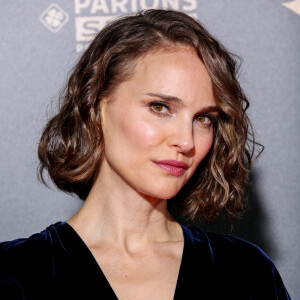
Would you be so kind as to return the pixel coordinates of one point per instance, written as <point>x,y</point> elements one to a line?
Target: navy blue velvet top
<point>57,264</point>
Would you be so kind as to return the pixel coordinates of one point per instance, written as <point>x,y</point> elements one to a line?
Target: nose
<point>182,137</point>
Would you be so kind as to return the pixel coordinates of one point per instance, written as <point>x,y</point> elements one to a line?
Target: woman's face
<point>157,126</point>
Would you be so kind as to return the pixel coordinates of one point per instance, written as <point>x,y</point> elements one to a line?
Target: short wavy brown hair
<point>71,145</point>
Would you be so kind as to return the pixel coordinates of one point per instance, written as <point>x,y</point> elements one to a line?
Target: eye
<point>159,107</point>
<point>205,121</point>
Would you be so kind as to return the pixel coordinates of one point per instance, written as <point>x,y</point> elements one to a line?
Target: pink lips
<point>172,167</point>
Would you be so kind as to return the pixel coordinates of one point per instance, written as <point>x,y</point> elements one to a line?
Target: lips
<point>172,167</point>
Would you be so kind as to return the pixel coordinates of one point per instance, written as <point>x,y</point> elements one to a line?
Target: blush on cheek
<point>142,134</point>
<point>203,148</point>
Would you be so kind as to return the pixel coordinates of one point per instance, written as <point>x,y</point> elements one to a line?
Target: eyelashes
<point>162,109</point>
<point>159,107</point>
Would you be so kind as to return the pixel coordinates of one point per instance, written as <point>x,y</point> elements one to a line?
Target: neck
<point>117,214</point>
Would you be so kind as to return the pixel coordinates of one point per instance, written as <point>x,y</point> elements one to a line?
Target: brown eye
<point>158,107</point>
<point>203,119</point>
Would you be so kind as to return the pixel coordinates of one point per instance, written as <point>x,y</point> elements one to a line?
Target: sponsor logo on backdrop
<point>54,18</point>
<point>293,5</point>
<point>92,15</point>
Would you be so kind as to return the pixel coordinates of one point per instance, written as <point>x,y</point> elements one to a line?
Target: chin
<point>163,193</point>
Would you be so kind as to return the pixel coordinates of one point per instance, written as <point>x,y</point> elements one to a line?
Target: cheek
<point>140,134</point>
<point>203,145</point>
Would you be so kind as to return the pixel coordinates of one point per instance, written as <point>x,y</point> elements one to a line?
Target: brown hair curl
<point>71,145</point>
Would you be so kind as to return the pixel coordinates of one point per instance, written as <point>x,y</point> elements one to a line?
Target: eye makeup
<point>209,119</point>
<point>163,110</point>
<point>158,107</point>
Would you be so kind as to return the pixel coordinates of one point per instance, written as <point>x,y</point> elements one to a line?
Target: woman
<point>152,127</point>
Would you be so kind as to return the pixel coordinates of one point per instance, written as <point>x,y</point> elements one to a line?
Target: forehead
<point>179,72</point>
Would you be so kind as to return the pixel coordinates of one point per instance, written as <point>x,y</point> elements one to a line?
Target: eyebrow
<point>180,102</point>
<point>167,98</point>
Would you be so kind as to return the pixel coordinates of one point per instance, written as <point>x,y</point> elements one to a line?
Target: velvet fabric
<point>57,264</point>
